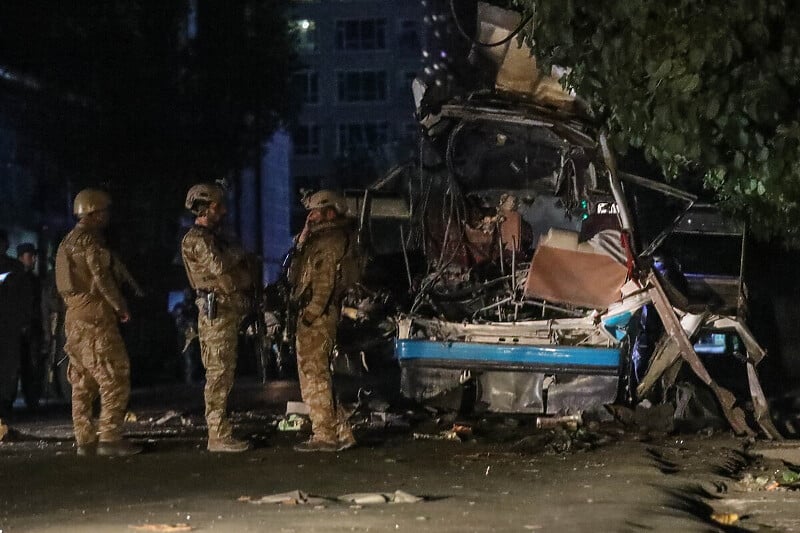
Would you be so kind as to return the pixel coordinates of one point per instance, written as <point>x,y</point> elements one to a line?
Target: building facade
<point>359,58</point>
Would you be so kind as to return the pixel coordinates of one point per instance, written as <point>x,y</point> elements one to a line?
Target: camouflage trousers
<point>218,342</point>
<point>329,421</point>
<point>98,366</point>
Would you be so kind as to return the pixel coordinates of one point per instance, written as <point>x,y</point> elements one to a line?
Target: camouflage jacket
<point>314,270</point>
<point>212,264</point>
<point>85,277</point>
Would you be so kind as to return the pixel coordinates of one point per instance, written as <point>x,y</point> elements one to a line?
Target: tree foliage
<point>705,87</point>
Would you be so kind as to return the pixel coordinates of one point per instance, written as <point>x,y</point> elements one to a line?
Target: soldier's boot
<point>317,445</point>
<point>227,444</point>
<point>87,450</point>
<point>118,448</point>
<point>347,442</point>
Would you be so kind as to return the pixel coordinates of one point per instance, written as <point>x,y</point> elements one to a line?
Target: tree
<point>703,87</point>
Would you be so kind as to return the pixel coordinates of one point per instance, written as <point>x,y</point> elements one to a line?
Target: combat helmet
<point>201,195</point>
<point>90,200</point>
<point>326,198</point>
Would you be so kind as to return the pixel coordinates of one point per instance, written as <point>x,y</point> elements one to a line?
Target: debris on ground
<point>646,418</point>
<point>130,416</point>
<point>725,519</point>
<point>294,497</point>
<point>293,422</point>
<point>457,433</point>
<point>169,415</point>
<point>297,408</point>
<point>162,528</point>
<point>4,430</point>
<point>371,498</point>
<point>382,420</point>
<point>298,497</point>
<point>560,440</point>
<point>569,422</point>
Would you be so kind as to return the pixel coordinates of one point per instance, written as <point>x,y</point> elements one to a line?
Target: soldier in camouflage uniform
<point>98,361</point>
<point>220,275</point>
<point>317,294</point>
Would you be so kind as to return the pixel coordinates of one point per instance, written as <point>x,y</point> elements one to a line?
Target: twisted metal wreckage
<point>535,267</point>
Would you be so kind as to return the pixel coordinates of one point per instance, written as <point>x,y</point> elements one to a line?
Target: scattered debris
<point>725,519</point>
<point>450,434</point>
<point>130,416</point>
<point>162,528</point>
<point>569,422</point>
<point>169,415</point>
<point>646,417</point>
<point>358,499</point>
<point>371,498</point>
<point>292,422</point>
<point>294,497</point>
<point>297,408</point>
<point>4,430</point>
<point>383,420</point>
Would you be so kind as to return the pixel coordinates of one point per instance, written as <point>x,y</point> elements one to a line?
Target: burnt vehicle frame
<point>565,357</point>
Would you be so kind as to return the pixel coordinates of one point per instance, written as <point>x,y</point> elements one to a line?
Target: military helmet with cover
<point>326,198</point>
<point>202,195</point>
<point>90,200</point>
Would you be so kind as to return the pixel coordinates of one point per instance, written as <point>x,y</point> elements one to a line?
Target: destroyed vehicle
<point>543,260</point>
<point>537,279</point>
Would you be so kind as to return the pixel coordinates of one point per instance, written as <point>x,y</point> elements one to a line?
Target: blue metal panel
<point>551,356</point>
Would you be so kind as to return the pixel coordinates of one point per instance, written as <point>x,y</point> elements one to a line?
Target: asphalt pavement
<point>496,475</point>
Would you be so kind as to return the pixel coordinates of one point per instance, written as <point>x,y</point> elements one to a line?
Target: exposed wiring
<point>480,43</point>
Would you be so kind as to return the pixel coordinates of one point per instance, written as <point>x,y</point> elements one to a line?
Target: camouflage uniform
<point>214,266</point>
<point>314,277</point>
<point>98,361</point>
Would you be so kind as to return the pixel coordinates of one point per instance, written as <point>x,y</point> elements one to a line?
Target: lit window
<point>306,85</point>
<point>357,136</point>
<point>306,140</point>
<point>408,35</point>
<point>361,86</point>
<point>305,35</point>
<point>361,34</point>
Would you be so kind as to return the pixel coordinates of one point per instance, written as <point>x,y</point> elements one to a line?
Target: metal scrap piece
<point>734,415</point>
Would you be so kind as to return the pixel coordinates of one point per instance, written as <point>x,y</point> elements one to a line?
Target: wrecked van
<point>551,281</point>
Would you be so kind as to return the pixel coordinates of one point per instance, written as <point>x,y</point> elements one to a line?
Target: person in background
<point>16,303</point>
<point>32,361</point>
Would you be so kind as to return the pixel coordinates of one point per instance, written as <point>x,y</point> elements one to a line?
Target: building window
<point>361,34</point>
<point>305,35</point>
<point>408,35</point>
<point>361,86</point>
<point>356,136</point>
<point>306,140</point>
<point>306,85</point>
